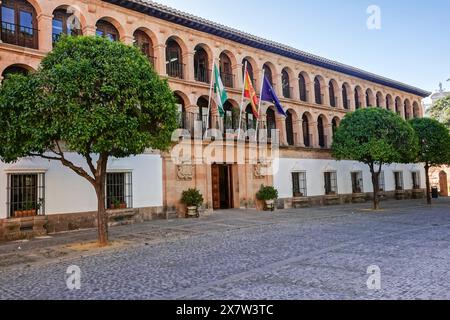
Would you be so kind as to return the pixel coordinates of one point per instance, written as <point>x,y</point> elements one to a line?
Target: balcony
<point>228,79</point>
<point>175,70</point>
<point>19,35</point>
<point>202,75</point>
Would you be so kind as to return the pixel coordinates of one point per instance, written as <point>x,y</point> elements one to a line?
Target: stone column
<point>127,39</point>
<point>89,30</point>
<point>160,54</point>
<point>45,32</point>
<point>237,73</point>
<point>188,68</point>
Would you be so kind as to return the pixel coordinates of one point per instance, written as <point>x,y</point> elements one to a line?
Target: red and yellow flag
<point>250,94</point>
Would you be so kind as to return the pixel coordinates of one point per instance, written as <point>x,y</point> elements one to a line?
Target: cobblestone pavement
<point>314,253</point>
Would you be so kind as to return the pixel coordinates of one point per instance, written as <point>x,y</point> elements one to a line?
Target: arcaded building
<point>315,92</point>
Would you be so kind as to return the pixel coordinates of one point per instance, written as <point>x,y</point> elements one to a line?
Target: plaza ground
<point>313,253</point>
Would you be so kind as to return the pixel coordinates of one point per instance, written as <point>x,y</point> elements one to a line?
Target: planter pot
<point>192,211</point>
<point>270,205</point>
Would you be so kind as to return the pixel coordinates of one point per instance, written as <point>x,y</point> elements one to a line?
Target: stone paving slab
<point>313,253</point>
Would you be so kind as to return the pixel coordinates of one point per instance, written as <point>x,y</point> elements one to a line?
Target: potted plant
<point>28,210</point>
<point>193,199</point>
<point>268,194</point>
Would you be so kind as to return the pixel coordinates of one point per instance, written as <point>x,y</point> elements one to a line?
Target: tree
<point>440,111</point>
<point>434,146</point>
<point>90,96</point>
<point>375,137</point>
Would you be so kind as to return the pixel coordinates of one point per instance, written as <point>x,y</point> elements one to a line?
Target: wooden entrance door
<point>222,190</point>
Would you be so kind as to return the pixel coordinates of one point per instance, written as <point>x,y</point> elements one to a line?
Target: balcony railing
<point>202,75</point>
<point>175,70</point>
<point>19,35</point>
<point>228,79</point>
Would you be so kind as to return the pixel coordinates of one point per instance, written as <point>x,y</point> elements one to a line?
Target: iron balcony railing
<point>175,70</point>
<point>202,75</point>
<point>228,79</point>
<point>19,35</point>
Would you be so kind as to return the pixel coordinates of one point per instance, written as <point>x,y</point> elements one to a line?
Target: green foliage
<point>434,141</point>
<point>95,95</point>
<point>192,198</point>
<point>374,136</point>
<point>267,193</point>
<point>441,111</point>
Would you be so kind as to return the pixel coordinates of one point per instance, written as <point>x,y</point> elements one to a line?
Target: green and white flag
<point>219,89</point>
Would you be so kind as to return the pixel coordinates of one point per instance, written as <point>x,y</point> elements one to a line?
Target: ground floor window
<point>381,183</point>
<point>299,184</point>
<point>119,190</point>
<point>398,179</point>
<point>330,182</point>
<point>415,175</point>
<point>26,194</point>
<point>357,182</point>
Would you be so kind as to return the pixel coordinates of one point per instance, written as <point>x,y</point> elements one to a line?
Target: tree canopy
<point>440,111</point>
<point>95,95</point>
<point>90,96</point>
<point>374,135</point>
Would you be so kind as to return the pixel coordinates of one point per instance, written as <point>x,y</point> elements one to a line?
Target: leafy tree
<point>440,111</point>
<point>434,146</point>
<point>375,137</point>
<point>93,97</point>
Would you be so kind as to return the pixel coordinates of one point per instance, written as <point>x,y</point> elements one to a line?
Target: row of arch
<point>295,130</point>
<point>303,87</point>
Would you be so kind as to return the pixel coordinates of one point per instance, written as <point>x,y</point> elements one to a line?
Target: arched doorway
<point>305,128</point>
<point>443,183</point>
<point>107,29</point>
<point>270,120</point>
<point>290,128</point>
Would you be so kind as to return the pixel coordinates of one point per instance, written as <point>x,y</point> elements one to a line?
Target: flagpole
<point>260,102</point>
<point>209,99</point>
<point>242,100</point>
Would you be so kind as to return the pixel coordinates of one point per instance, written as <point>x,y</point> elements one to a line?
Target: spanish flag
<point>250,94</point>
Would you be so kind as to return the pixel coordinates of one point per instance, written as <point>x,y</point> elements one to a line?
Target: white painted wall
<point>66,192</point>
<point>314,175</point>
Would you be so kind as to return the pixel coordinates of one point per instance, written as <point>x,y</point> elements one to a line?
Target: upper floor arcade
<point>186,55</point>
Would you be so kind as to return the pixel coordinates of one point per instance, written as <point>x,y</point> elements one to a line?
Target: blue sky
<point>412,45</point>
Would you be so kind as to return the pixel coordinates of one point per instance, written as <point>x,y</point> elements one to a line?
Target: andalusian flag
<point>250,94</point>
<point>221,93</point>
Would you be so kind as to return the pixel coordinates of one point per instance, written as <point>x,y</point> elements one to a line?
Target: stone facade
<point>315,105</point>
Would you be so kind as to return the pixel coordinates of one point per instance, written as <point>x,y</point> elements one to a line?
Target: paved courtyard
<point>314,253</point>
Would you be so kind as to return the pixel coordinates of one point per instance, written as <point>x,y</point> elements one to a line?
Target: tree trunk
<point>102,218</point>
<point>427,179</point>
<point>100,186</point>
<point>376,190</point>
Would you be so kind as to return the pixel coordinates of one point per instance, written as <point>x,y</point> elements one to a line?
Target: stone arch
<point>251,68</point>
<point>319,89</point>
<point>227,62</point>
<point>286,82</point>
<point>304,84</point>
<point>114,23</point>
<point>359,97</point>
<point>346,96</point>
<point>416,110</point>
<point>322,124</point>
<point>71,18</point>
<point>307,132</point>
<point>333,93</point>
<point>202,62</point>
<point>408,112</point>
<point>398,106</point>
<point>270,72</point>
<point>175,51</point>
<point>389,102</point>
<point>16,68</point>
<point>370,98</point>
<point>379,100</point>
<point>291,122</point>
